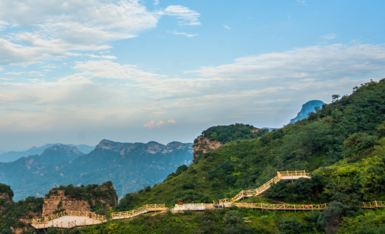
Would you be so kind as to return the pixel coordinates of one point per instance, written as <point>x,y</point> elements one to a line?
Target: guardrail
<point>264,206</point>
<point>138,211</point>
<point>373,205</point>
<point>281,175</point>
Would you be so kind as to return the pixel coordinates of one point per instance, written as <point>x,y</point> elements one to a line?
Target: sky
<point>137,71</point>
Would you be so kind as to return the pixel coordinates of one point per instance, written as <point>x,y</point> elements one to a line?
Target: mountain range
<point>130,166</point>
<point>14,155</point>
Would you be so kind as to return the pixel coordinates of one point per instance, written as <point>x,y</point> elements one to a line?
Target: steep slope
<point>306,109</point>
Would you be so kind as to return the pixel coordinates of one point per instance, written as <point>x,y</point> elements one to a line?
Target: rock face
<point>59,201</point>
<point>204,145</point>
<point>306,109</point>
<point>4,196</point>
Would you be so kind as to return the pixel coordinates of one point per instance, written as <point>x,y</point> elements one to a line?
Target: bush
<point>290,226</point>
<point>188,185</point>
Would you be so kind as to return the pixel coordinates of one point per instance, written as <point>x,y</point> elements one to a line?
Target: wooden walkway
<point>141,210</point>
<point>70,219</point>
<point>283,175</point>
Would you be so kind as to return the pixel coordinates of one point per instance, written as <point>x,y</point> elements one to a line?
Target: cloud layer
<point>244,87</point>
<point>62,27</point>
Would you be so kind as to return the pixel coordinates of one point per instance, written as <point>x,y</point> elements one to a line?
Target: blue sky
<point>135,71</point>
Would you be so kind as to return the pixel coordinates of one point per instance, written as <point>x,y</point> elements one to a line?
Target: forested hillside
<point>343,145</point>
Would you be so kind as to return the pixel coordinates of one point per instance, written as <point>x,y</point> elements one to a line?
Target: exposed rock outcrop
<point>58,201</point>
<point>204,145</point>
<point>4,196</point>
<point>86,198</point>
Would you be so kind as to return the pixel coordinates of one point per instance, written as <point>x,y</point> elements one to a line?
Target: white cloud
<point>329,36</point>
<point>187,16</point>
<point>156,2</point>
<point>317,62</point>
<point>31,73</point>
<point>35,73</point>
<point>15,73</point>
<point>1,78</point>
<point>150,124</point>
<point>108,69</point>
<point>102,56</point>
<point>171,121</point>
<point>184,34</point>
<point>226,27</point>
<point>63,26</point>
<point>3,25</point>
<point>50,66</point>
<point>160,123</point>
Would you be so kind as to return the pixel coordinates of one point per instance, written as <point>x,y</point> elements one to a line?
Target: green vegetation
<point>6,189</point>
<point>233,132</point>
<point>11,212</point>
<point>342,144</point>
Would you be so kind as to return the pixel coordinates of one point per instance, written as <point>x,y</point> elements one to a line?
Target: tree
<point>335,97</point>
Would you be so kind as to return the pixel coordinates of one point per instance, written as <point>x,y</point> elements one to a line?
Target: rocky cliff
<point>203,145</point>
<point>58,201</point>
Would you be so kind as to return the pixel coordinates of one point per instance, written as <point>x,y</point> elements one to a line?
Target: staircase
<point>281,175</point>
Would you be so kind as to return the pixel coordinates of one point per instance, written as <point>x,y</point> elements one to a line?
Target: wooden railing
<point>373,205</point>
<point>138,211</point>
<point>293,173</point>
<point>281,175</point>
<point>264,206</point>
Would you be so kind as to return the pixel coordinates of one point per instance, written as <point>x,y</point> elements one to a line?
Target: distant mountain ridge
<point>306,109</point>
<point>11,156</point>
<point>128,165</point>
